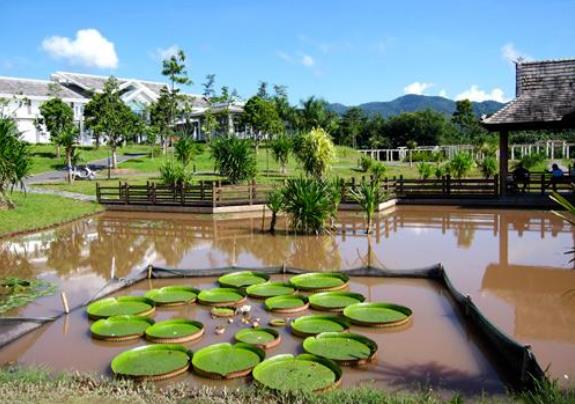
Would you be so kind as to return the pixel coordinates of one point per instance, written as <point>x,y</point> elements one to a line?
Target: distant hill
<point>412,103</point>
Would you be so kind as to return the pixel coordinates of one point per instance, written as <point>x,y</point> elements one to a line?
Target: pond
<point>512,263</point>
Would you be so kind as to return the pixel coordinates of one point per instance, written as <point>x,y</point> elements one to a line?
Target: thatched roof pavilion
<point>545,99</point>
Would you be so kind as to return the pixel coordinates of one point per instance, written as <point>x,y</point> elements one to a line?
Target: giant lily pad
<point>320,281</point>
<point>120,306</point>
<point>264,338</point>
<point>175,331</point>
<point>172,295</point>
<point>377,314</point>
<point>242,279</point>
<point>227,361</point>
<point>334,301</point>
<point>269,289</point>
<point>222,297</point>
<point>120,328</point>
<point>304,372</point>
<point>316,324</point>
<point>223,311</point>
<point>286,303</point>
<point>343,347</point>
<point>152,362</point>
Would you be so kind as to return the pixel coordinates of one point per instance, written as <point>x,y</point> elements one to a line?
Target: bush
<point>234,158</point>
<point>275,201</point>
<point>488,166</point>
<point>316,152</point>
<point>426,155</point>
<point>281,147</point>
<point>368,196</point>
<point>365,163</point>
<point>185,150</point>
<point>311,203</point>
<point>378,170</point>
<point>529,161</point>
<point>174,173</point>
<point>15,160</point>
<point>460,164</point>
<point>424,170</point>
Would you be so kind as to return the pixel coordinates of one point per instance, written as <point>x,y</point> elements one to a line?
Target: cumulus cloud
<point>474,93</point>
<point>166,53</point>
<point>443,93</point>
<point>510,53</point>
<point>417,88</point>
<point>89,48</point>
<point>307,61</point>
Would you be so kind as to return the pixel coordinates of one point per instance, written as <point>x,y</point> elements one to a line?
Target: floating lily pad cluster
<point>327,343</point>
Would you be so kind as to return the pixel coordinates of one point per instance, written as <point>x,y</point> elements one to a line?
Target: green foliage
<point>440,170</point>
<point>460,164</point>
<point>275,201</point>
<point>314,114</point>
<point>174,68</point>
<point>14,159</point>
<point>423,127</point>
<point>315,151</point>
<point>16,292</point>
<point>529,161</point>
<point>368,195</point>
<point>174,173</point>
<point>378,170</point>
<point>488,166</point>
<point>427,156</point>
<point>351,126</point>
<point>424,169</point>
<point>365,163</point>
<point>185,149</point>
<point>467,123</point>
<point>261,115</point>
<point>210,124</point>
<point>281,146</point>
<point>310,202</point>
<point>234,158</point>
<point>58,117</point>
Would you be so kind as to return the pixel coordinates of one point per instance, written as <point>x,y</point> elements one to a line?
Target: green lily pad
<point>304,372</point>
<point>242,279</point>
<point>172,295</point>
<point>342,347</point>
<point>175,331</point>
<point>120,328</point>
<point>317,281</point>
<point>269,289</point>
<point>377,314</point>
<point>277,322</point>
<point>221,296</point>
<point>223,311</point>
<point>334,301</point>
<point>120,306</point>
<point>286,303</point>
<point>152,362</point>
<point>264,338</point>
<point>227,361</point>
<point>316,324</point>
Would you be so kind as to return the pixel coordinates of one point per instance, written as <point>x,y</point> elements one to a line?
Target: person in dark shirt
<point>521,176</point>
<point>556,174</point>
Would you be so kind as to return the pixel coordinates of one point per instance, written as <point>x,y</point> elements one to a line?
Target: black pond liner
<point>515,361</point>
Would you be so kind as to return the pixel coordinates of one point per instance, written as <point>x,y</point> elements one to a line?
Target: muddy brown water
<point>512,263</point>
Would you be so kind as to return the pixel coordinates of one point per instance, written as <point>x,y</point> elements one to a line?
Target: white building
<point>22,99</point>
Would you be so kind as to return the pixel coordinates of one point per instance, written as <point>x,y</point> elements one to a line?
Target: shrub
<point>365,163</point>
<point>185,149</point>
<point>234,158</point>
<point>281,147</point>
<point>275,201</point>
<point>424,170</point>
<point>174,173</point>
<point>15,161</point>
<point>368,195</point>
<point>310,202</point>
<point>316,152</point>
<point>460,164</point>
<point>488,166</point>
<point>529,161</point>
<point>378,170</point>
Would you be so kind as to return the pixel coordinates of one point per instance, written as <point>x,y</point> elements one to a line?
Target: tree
<point>281,147</point>
<point>15,160</point>
<point>261,115</point>
<point>209,86</point>
<point>107,114</point>
<point>263,90</point>
<point>161,113</point>
<point>314,114</point>
<point>234,158</point>
<point>286,113</point>
<point>58,117</point>
<point>424,127</point>
<point>210,123</point>
<point>411,146</point>
<point>315,151</point>
<point>175,69</point>
<point>351,125</point>
<point>467,123</point>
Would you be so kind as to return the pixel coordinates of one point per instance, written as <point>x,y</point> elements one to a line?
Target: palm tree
<point>368,196</point>
<point>275,202</point>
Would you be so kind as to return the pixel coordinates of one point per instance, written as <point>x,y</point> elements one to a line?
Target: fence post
<point>496,185</point>
<point>448,184</point>
<point>202,192</point>
<point>153,193</point>
<point>386,184</point>
<point>542,183</point>
<point>126,193</point>
<point>254,189</point>
<point>401,184</point>
<point>182,194</point>
<point>214,194</point>
<point>98,192</point>
<point>250,191</point>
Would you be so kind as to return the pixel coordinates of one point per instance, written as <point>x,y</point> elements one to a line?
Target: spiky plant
<point>15,161</point>
<point>275,201</point>
<point>174,173</point>
<point>368,195</point>
<point>281,147</point>
<point>234,158</point>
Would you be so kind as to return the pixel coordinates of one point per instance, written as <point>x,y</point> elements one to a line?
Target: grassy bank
<point>35,211</point>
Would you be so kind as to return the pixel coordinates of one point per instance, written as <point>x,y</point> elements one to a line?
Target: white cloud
<point>417,88</point>
<point>474,93</point>
<point>512,54</point>
<point>284,56</point>
<point>307,61</point>
<point>166,53</point>
<point>443,93</point>
<point>89,48</point>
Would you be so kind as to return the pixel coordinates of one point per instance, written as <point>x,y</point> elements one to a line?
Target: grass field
<point>35,211</point>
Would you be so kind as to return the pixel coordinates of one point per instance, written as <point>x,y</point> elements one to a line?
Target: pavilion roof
<point>545,98</point>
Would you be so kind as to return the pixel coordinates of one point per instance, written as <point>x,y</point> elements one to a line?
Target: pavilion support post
<point>503,161</point>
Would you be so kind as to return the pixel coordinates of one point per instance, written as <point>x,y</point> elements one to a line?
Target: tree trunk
<point>58,154</point>
<point>114,159</point>
<point>368,231</point>
<point>69,165</point>
<point>5,202</point>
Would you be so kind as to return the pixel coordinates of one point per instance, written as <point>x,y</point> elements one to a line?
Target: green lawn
<point>36,211</point>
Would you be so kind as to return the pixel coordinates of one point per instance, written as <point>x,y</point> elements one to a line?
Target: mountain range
<point>412,103</point>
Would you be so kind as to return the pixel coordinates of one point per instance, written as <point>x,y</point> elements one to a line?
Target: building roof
<point>545,98</point>
<point>14,86</point>
<point>90,82</point>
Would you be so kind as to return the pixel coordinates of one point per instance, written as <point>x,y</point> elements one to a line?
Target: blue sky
<point>344,51</point>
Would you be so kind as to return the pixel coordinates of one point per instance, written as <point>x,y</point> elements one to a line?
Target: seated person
<point>556,174</point>
<point>520,176</point>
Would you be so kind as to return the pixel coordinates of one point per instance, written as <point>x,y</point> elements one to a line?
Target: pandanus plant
<point>368,195</point>
<point>275,202</point>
